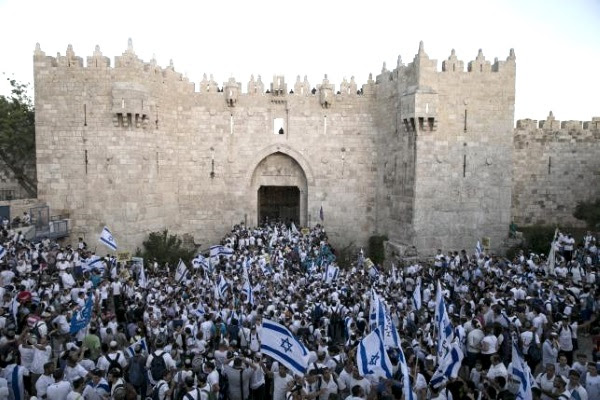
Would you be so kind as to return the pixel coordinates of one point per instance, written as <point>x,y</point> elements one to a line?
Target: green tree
<point>588,212</point>
<point>166,248</point>
<point>17,136</point>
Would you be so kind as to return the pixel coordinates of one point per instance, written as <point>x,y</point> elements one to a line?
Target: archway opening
<point>279,203</point>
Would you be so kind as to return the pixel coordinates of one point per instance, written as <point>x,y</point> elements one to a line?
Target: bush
<point>588,212</point>
<point>376,249</point>
<point>537,238</point>
<point>166,248</point>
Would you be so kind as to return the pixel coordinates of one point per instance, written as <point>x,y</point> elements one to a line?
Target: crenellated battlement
<point>553,129</point>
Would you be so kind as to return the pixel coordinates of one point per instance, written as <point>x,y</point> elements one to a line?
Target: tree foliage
<point>17,135</point>
<point>588,212</point>
<point>166,248</point>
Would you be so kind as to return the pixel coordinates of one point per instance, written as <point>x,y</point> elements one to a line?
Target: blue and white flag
<point>294,229</point>
<point>200,311</point>
<point>371,357</point>
<point>217,251</point>
<point>181,272</point>
<point>81,318</point>
<point>247,290</point>
<point>443,324</point>
<point>391,339</point>
<point>107,239</point>
<point>520,372</point>
<point>201,261</point>
<point>551,255</point>
<point>408,392</point>
<point>143,345</point>
<point>278,342</point>
<point>92,262</point>
<point>142,281</point>
<point>331,273</point>
<point>274,237</point>
<point>222,286</point>
<point>2,252</point>
<point>416,296</point>
<point>376,313</point>
<point>449,366</point>
<point>14,309</point>
<point>478,250</point>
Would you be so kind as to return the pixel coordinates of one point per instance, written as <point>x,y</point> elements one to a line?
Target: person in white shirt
<point>45,380</point>
<point>114,355</point>
<point>592,381</point>
<point>281,383</point>
<point>15,380</point>
<point>497,369</point>
<point>160,352</point>
<point>574,387</point>
<point>60,388</point>
<point>545,382</point>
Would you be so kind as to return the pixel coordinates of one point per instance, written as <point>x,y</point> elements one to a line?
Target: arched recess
<point>279,186</point>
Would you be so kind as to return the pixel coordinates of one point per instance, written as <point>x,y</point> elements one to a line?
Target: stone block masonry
<point>420,155</point>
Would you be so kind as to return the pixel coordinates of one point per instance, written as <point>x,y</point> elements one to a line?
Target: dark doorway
<point>279,203</point>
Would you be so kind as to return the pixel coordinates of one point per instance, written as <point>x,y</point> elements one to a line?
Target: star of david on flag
<point>278,342</point>
<point>371,357</point>
<point>107,239</point>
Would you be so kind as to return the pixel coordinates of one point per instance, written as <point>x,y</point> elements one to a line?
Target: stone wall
<point>420,155</point>
<point>137,148</point>
<point>556,165</point>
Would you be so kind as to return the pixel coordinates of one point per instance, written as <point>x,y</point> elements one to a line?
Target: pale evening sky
<point>557,42</point>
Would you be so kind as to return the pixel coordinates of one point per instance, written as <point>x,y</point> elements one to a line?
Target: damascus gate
<point>420,153</point>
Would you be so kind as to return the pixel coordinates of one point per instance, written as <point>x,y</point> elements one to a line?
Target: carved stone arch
<point>278,148</point>
<point>280,169</point>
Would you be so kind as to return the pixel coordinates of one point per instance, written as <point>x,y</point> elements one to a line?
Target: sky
<point>556,42</point>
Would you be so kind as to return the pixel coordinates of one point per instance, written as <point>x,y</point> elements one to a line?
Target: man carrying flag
<point>142,281</point>
<point>107,239</point>
<point>278,342</point>
<point>416,296</point>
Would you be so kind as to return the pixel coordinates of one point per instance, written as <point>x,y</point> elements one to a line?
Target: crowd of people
<point>77,326</point>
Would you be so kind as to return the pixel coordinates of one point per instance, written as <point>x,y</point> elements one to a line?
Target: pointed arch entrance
<point>280,187</point>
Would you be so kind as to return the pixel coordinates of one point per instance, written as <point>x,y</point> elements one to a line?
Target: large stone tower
<point>418,154</point>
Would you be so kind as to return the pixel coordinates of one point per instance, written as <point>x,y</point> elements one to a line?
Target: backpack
<point>534,352</point>
<point>136,371</point>
<point>156,391</point>
<point>223,386</point>
<point>158,367</point>
<point>113,363</point>
<point>130,392</point>
<point>211,395</point>
<point>339,366</point>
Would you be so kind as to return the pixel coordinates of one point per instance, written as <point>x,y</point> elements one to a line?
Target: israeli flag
<point>14,308</point>
<point>107,238</point>
<point>200,310</point>
<point>92,262</point>
<point>278,342</point>
<point>273,237</point>
<point>2,252</point>
<point>247,290</point>
<point>520,372</point>
<point>449,366</point>
<point>181,271</point>
<point>551,255</point>
<point>444,326</point>
<point>331,273</point>
<point>478,249</point>
<point>294,229</point>
<point>143,345</point>
<point>371,357</point>
<point>201,261</point>
<point>391,338</point>
<point>376,312</point>
<point>361,258</point>
<point>217,251</point>
<point>408,392</point>
<point>222,285</point>
<point>142,281</point>
<point>81,318</point>
<point>416,296</point>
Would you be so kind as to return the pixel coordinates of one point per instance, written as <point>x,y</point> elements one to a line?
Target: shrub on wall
<point>588,212</point>
<point>166,248</point>
<point>376,249</point>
